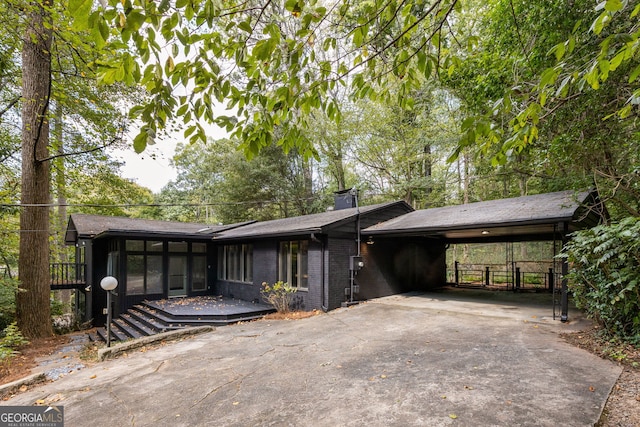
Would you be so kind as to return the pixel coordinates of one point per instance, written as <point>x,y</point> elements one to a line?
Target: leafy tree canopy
<point>270,63</point>
<point>566,53</point>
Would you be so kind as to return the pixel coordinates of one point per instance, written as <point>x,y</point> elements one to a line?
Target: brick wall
<point>401,265</point>
<point>265,269</point>
<point>338,276</point>
<point>391,266</point>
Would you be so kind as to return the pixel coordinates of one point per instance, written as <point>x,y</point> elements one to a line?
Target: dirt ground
<point>621,410</point>
<point>21,365</point>
<point>623,406</point>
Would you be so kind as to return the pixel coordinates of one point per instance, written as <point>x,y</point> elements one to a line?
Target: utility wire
<point>151,205</point>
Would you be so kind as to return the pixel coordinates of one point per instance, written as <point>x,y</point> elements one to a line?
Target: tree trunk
<point>60,186</point>
<point>307,176</point>
<point>427,168</point>
<point>32,304</point>
<point>59,171</point>
<point>339,170</point>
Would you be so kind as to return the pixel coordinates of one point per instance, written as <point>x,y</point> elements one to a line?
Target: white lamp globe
<point>109,283</point>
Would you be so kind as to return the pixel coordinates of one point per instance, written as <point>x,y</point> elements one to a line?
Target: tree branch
<point>13,102</point>
<point>91,150</point>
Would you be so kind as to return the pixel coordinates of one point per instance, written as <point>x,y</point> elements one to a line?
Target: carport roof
<point>538,217</point>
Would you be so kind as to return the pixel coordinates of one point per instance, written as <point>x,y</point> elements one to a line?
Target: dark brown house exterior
<point>159,259</point>
<point>312,253</point>
<point>151,260</point>
<point>332,258</point>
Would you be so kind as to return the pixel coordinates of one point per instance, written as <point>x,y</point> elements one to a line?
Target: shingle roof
<point>306,224</point>
<point>527,210</point>
<point>89,226</point>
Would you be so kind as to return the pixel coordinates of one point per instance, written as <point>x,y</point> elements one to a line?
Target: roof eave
<point>436,230</point>
<point>147,233</point>
<point>293,233</point>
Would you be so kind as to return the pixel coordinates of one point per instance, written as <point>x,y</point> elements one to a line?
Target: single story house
<point>154,259</point>
<point>332,258</point>
<point>317,254</point>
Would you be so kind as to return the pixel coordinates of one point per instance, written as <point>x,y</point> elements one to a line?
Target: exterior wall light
<point>370,241</point>
<point>109,283</point>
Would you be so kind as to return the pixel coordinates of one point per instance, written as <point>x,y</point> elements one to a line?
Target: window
<point>154,246</point>
<point>235,263</point>
<point>199,273</point>
<point>294,263</point>
<point>135,274</point>
<point>134,245</point>
<point>248,264</point>
<point>154,274</point>
<point>178,275</point>
<point>150,270</point>
<point>144,267</point>
<point>199,248</point>
<point>178,246</point>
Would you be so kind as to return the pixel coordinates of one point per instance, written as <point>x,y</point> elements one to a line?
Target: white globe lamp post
<point>109,283</point>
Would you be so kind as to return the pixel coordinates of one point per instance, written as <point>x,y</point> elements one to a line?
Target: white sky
<point>150,168</point>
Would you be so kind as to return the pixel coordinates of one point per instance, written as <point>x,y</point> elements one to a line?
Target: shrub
<point>8,290</point>
<point>605,276</point>
<point>280,295</point>
<point>12,337</point>
<point>58,308</point>
<point>10,342</point>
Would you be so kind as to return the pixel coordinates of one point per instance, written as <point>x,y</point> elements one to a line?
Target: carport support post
<point>457,274</point>
<point>564,301</point>
<point>486,277</point>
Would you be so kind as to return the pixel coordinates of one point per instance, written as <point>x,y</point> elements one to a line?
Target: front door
<point>177,275</point>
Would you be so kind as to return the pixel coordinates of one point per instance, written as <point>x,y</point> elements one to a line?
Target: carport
<point>542,217</point>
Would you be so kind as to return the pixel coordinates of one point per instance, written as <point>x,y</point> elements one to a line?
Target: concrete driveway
<point>408,360</point>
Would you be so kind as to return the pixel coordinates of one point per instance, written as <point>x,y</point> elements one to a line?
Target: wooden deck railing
<point>68,275</point>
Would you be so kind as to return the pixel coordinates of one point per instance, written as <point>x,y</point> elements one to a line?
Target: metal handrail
<point>68,274</point>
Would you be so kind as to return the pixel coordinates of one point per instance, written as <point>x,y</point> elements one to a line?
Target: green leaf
<point>564,87</point>
<point>357,37</point>
<point>189,131</point>
<point>559,51</point>
<point>140,142</point>
<point>80,11</point>
<point>245,26</point>
<point>548,77</point>
<point>135,19</point>
<point>263,49</point>
<point>634,74</point>
<point>600,22</point>
<point>617,60</point>
<point>182,110</point>
<point>613,5</point>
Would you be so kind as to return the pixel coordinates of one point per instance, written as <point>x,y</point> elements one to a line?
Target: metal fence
<point>513,277</point>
